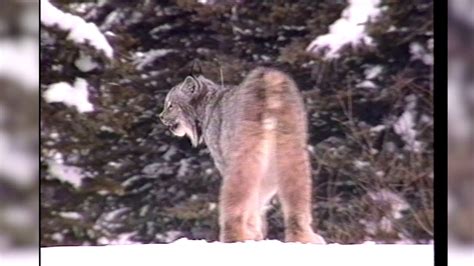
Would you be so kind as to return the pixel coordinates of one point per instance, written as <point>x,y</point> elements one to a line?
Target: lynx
<point>256,133</point>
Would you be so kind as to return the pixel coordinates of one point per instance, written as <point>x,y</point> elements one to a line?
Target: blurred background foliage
<point>19,138</point>
<point>461,124</point>
<point>143,185</point>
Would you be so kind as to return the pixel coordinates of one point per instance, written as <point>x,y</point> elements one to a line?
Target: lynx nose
<point>161,117</point>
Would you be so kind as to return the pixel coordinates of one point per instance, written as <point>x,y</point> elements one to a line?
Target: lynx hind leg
<point>240,217</point>
<point>294,193</point>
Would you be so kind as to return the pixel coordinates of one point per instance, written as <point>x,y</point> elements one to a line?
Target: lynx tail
<point>274,88</point>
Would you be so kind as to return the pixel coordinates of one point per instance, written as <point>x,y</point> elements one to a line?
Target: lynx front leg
<point>240,218</point>
<point>294,193</point>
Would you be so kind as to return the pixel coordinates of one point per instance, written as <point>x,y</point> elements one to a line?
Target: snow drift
<point>268,252</point>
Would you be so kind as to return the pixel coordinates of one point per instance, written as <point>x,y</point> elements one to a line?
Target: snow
<point>80,31</point>
<point>130,181</point>
<point>268,252</point>
<point>57,68</point>
<point>349,29</point>
<point>58,237</point>
<point>212,206</point>
<point>366,84</point>
<point>85,63</point>
<point>19,257</point>
<point>396,202</point>
<point>144,59</point>
<point>114,164</point>
<point>169,236</point>
<point>19,61</point>
<point>460,255</point>
<point>405,126</point>
<point>113,215</point>
<point>69,174</point>
<point>361,164</point>
<point>76,95</point>
<point>111,19</point>
<point>419,53</point>
<point>81,7</point>
<point>22,167</point>
<point>386,224</point>
<point>373,71</point>
<point>380,173</point>
<point>122,239</point>
<point>106,128</point>
<point>378,128</point>
<point>161,28</point>
<point>372,227</point>
<point>71,215</point>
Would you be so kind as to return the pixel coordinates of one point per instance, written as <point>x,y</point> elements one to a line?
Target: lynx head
<point>179,113</point>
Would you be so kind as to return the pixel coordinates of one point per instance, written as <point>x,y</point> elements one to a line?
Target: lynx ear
<point>190,84</point>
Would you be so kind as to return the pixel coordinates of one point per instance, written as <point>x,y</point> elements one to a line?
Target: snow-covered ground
<point>269,252</point>
<point>19,258</point>
<point>460,256</point>
<point>185,252</point>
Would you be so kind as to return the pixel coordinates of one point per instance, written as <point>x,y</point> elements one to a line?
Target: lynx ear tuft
<point>190,84</point>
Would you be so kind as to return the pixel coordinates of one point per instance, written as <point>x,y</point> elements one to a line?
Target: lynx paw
<point>317,239</point>
<point>308,238</point>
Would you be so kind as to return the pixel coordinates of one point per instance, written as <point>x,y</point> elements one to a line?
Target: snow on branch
<point>405,126</point>
<point>68,174</point>
<point>22,166</point>
<point>268,252</point>
<point>76,96</point>
<point>80,31</point>
<point>349,29</point>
